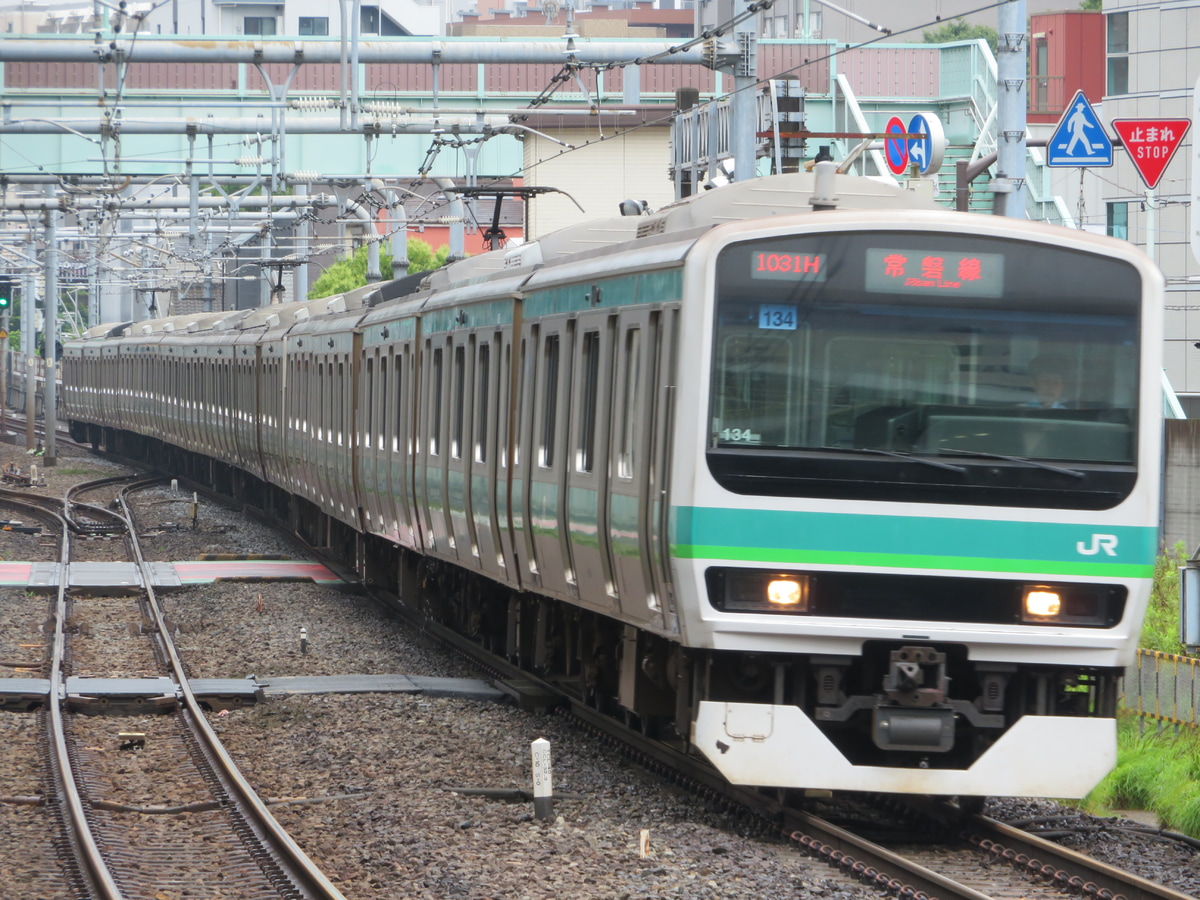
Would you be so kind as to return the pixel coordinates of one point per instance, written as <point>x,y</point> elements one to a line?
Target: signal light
<point>6,288</point>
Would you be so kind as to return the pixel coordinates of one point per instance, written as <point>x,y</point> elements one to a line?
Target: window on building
<point>1118,32</point>
<point>1118,52</point>
<point>1118,75</point>
<point>1117,220</point>
<point>368,21</point>
<point>258,25</point>
<point>315,26</point>
<point>1041,74</point>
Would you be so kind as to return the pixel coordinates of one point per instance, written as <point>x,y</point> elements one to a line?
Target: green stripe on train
<point>813,538</point>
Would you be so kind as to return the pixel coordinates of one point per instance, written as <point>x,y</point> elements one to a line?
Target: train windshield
<point>1005,368</point>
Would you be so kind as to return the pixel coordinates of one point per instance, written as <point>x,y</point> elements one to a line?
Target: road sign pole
<point>1151,224</point>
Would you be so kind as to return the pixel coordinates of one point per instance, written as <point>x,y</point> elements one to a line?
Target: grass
<point>1160,631</point>
<point>1158,769</point>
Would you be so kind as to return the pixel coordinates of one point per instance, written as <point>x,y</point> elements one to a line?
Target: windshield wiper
<point>937,464</point>
<point>979,454</point>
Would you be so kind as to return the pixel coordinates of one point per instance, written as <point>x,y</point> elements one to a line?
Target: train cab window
<point>482,410</point>
<point>591,385</point>
<point>550,402</point>
<point>629,415</point>
<point>925,367</point>
<point>460,398</point>
<point>435,403</point>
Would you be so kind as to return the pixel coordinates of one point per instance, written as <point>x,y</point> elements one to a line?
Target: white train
<point>849,491</point>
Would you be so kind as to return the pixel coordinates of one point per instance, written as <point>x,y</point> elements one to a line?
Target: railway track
<point>968,856</point>
<point>151,803</point>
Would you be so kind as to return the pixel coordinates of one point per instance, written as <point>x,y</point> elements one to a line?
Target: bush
<point>348,274</point>
<point>1160,631</point>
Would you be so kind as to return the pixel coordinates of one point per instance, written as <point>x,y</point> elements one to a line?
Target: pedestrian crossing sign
<point>1079,139</point>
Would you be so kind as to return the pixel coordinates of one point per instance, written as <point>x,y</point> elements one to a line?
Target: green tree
<point>1091,4</point>
<point>348,274</point>
<point>961,30</point>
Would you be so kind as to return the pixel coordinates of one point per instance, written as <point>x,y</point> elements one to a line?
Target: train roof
<point>771,195</point>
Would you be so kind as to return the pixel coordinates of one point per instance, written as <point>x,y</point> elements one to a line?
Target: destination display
<point>893,271</point>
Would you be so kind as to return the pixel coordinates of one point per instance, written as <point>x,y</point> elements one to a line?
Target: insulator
<point>385,108</point>
<point>304,176</point>
<point>249,161</point>
<point>311,103</point>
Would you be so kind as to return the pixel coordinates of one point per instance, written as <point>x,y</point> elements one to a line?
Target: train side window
<point>550,411</point>
<point>344,407</point>
<point>365,439</point>
<point>460,398</point>
<point>591,384</point>
<point>630,414</point>
<point>522,391</point>
<point>435,402</point>
<point>317,404</point>
<point>399,423</point>
<point>384,402</point>
<point>481,414</point>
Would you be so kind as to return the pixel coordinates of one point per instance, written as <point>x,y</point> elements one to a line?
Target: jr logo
<point>1105,542</point>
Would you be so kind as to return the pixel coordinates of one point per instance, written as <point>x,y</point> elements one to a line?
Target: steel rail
<point>1068,869</point>
<point>304,873</point>
<point>88,856</point>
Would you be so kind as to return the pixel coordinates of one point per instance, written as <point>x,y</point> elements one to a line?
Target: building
<point>1152,60</point>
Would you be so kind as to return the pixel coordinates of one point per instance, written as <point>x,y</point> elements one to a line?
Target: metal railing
<point>1164,687</point>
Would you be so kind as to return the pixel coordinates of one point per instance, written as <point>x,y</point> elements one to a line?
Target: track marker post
<point>543,783</point>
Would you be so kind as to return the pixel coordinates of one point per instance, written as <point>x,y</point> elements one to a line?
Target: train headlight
<point>785,592</point>
<point>758,590</point>
<point>1041,603</point>
<point>1071,604</point>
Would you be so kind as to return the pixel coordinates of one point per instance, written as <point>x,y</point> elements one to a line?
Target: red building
<point>1066,54</point>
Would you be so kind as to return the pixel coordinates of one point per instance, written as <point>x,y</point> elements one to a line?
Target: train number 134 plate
<point>781,317</point>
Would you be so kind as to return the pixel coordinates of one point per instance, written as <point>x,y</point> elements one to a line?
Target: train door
<point>344,474</point>
<point>430,475</point>
<point>507,428</point>
<point>402,452</point>
<point>461,348</point>
<point>365,442</point>
<point>485,465</point>
<point>587,460</point>
<point>545,502</point>
<point>633,506</point>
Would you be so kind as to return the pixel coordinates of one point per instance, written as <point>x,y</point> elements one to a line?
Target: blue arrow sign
<point>1079,139</point>
<point>927,150</point>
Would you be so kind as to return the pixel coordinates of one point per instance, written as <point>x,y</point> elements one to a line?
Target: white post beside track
<point>543,784</point>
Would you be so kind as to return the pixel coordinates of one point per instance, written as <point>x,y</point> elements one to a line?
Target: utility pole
<point>6,287</point>
<point>1011,68</point>
<point>50,341</point>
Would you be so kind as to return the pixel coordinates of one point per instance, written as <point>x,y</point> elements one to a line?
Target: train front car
<point>915,513</point>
